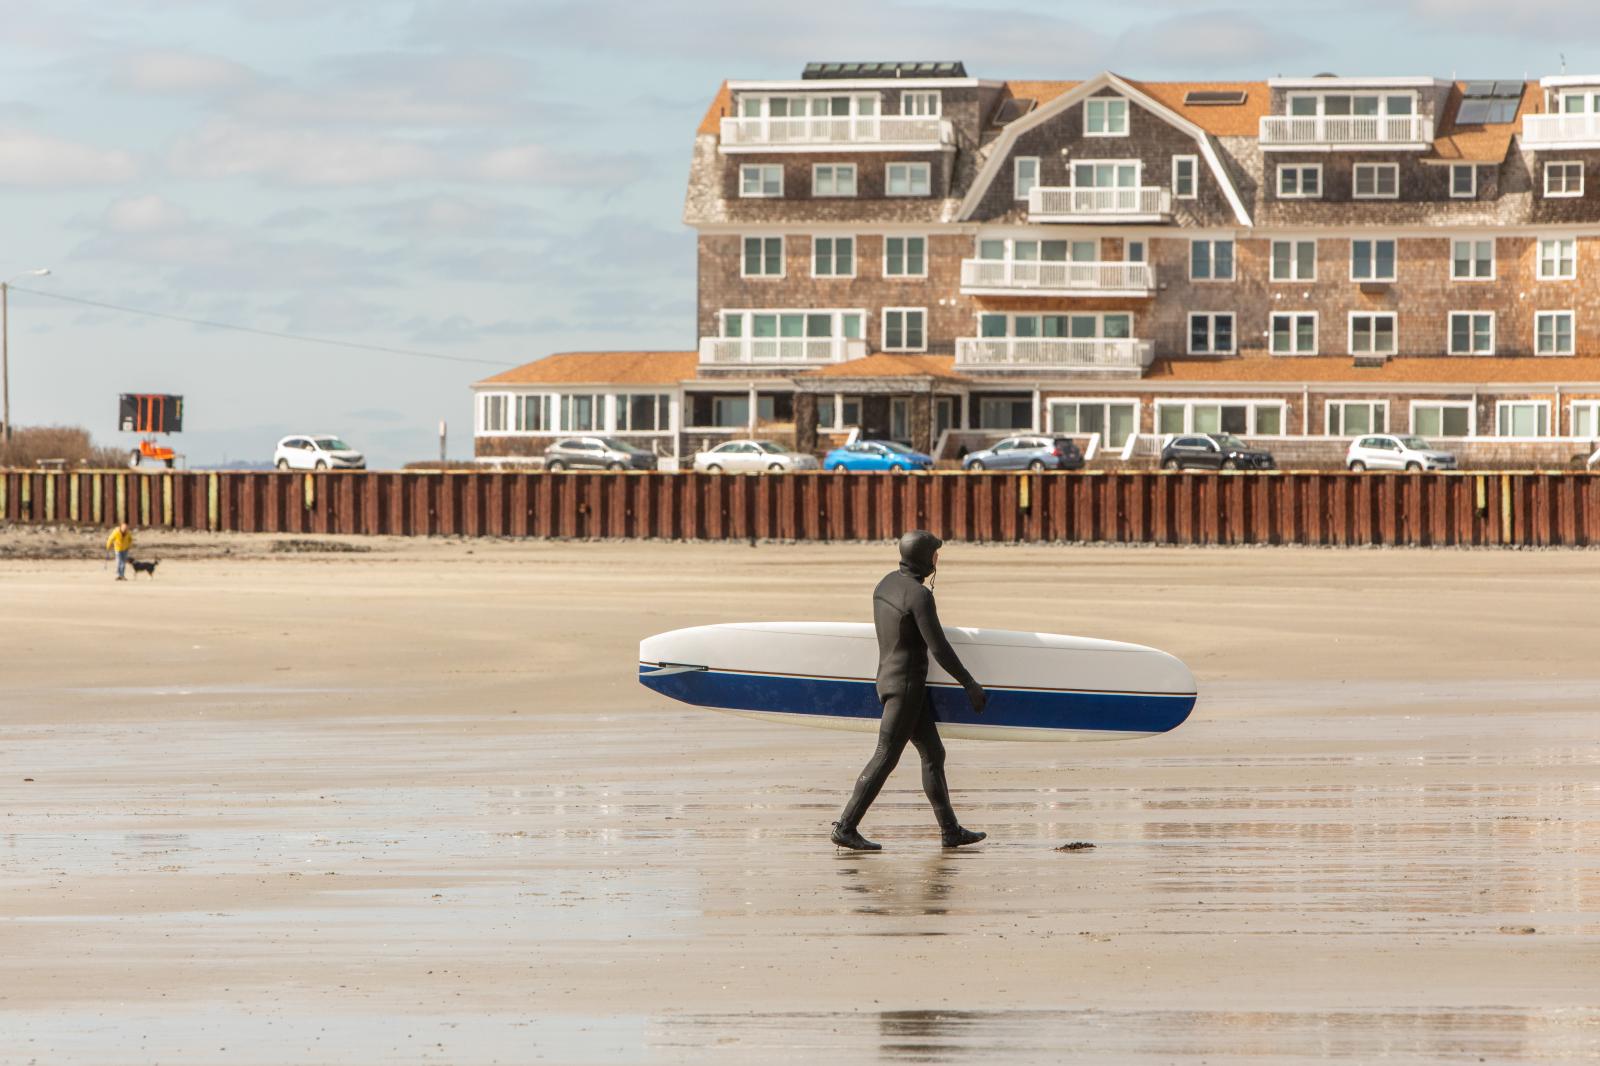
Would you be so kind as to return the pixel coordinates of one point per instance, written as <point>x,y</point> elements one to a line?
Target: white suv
<point>1387,451</point>
<point>317,453</point>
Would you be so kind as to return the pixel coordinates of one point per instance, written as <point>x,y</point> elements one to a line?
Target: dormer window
<point>1360,105</point>
<point>1580,102</point>
<point>920,103</point>
<point>1105,116</point>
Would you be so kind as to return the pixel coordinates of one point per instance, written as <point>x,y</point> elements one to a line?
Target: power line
<point>261,332</point>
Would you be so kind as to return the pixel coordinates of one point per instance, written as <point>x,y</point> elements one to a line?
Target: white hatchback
<point>1389,451</point>
<point>317,453</point>
<point>748,456</point>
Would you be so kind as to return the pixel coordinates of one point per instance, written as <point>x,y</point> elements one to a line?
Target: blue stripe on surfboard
<point>1131,712</point>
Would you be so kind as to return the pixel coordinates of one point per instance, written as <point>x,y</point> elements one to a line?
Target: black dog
<point>144,568</point>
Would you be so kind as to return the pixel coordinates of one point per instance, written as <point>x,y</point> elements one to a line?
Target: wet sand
<point>410,805</point>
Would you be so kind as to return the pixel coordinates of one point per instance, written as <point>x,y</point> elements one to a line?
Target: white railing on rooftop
<point>1034,275</point>
<point>779,351</point>
<point>1053,353</point>
<point>1345,130</point>
<point>834,130</point>
<point>1560,129</point>
<point>1093,202</point>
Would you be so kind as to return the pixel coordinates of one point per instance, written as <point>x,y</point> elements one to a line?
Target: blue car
<point>875,455</point>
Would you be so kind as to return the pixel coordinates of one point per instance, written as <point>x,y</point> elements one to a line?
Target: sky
<point>483,182</point>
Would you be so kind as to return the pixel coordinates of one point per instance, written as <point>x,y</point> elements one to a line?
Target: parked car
<point>1213,451</point>
<point>875,455</point>
<point>1390,451</point>
<point>744,456</point>
<point>317,453</point>
<point>597,453</point>
<point>1026,453</point>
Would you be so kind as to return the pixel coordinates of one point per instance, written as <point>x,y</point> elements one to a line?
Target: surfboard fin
<point>664,669</point>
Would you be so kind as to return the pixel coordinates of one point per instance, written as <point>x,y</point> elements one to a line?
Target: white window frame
<point>883,320</point>
<point>1300,181</point>
<point>884,268</point>
<point>1294,244</point>
<point>1472,258</point>
<point>1211,257</point>
<point>1327,416</point>
<point>1104,402</point>
<point>1211,333</point>
<point>927,171</point>
<point>1558,276</point>
<point>1470,407</point>
<point>1593,407</point>
<point>620,401</point>
<point>1017,191</point>
<point>906,96</point>
<point>1502,406</point>
<point>1394,332</point>
<point>1193,163</point>
<point>1471,193</point>
<point>552,411</point>
<point>783,255</point>
<point>1189,403</point>
<point>488,399</point>
<point>1572,315</point>
<point>1375,241</point>
<point>1376,168</point>
<point>1450,332</point>
<point>833,254</point>
<point>1562,164</point>
<point>855,181</point>
<point>1316,332</point>
<point>1127,111</point>
<point>746,168</point>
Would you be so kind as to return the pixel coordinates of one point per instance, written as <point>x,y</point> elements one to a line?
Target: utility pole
<point>5,351</point>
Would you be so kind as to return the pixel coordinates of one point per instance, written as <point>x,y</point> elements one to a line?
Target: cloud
<point>1209,41</point>
<point>451,215</point>
<point>28,158</point>
<point>174,72</point>
<point>1541,20</point>
<point>144,214</point>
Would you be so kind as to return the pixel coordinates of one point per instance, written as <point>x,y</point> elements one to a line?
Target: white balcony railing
<point>828,131</point>
<point>779,351</point>
<point>1346,131</point>
<point>1113,203</point>
<point>1053,353</point>
<point>1540,130</point>
<point>1090,279</point>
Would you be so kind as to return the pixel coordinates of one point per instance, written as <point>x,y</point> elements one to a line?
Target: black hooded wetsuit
<point>908,628</point>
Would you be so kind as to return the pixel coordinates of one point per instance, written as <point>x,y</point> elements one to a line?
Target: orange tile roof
<point>721,105</point>
<point>889,365</point>
<point>602,368</point>
<point>1481,143</point>
<point>1222,120</point>
<point>1440,370</point>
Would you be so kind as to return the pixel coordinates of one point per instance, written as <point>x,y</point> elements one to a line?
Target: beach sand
<point>408,804</point>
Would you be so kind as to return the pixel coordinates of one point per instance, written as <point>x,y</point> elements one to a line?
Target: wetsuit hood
<point>917,548</point>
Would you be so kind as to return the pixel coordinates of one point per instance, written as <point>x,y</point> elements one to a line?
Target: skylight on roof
<point>1488,102</point>
<point>826,71</point>
<point>1213,97</point>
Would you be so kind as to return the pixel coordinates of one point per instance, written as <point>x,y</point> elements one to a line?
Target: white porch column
<point>752,411</point>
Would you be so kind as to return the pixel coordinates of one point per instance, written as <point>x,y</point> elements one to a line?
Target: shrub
<point>29,444</point>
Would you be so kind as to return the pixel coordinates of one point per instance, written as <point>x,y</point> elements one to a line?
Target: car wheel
<point>133,459</point>
<point>1414,467</point>
<point>839,468</point>
<point>1357,466</point>
<point>283,464</point>
<point>776,468</point>
<point>614,466</point>
<point>1036,466</point>
<point>713,468</point>
<point>896,468</point>
<point>976,464</point>
<point>555,466</point>
<point>1171,464</point>
<point>321,465</point>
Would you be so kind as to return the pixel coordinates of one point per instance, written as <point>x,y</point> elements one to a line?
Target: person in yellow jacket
<point>121,542</point>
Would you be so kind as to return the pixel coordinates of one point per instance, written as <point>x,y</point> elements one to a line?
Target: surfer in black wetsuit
<point>908,628</point>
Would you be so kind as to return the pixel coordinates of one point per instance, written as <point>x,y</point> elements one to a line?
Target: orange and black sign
<point>143,412</point>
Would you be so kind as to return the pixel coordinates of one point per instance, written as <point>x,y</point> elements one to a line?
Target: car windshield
<point>1416,444</point>
<point>769,447</point>
<point>1228,440</point>
<point>332,444</point>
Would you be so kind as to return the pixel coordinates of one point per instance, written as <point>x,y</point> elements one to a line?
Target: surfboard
<point>1041,686</point>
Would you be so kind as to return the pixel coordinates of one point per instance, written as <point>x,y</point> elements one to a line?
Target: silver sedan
<point>752,456</point>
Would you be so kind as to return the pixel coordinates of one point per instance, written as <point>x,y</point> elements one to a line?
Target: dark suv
<point>1213,451</point>
<point>596,453</point>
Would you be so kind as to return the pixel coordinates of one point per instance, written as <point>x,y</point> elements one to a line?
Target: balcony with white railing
<point>834,131</point>
<point>779,351</point>
<point>1349,132</point>
<point>1572,130</point>
<point>1005,277</point>
<point>1099,203</point>
<point>1053,353</point>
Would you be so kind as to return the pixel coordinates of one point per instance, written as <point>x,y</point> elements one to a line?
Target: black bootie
<point>847,837</point>
<point>956,837</point>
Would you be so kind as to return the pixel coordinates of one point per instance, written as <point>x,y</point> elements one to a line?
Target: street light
<point>5,350</point>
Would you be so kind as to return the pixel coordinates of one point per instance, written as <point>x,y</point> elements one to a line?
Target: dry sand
<point>410,805</point>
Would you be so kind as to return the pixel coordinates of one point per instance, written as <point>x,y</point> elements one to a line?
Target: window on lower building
<point>1558,258</point>
<point>1185,177</point>
<point>1294,260</point>
<point>493,407</point>
<point>1115,421</point>
<point>1004,412</point>
<point>833,179</point>
<point>1376,181</point>
<point>760,181</point>
<point>1347,418</point>
<point>1301,182</point>
<point>763,257</point>
<point>1294,334</point>
<point>1372,260</point>
<point>1372,334</point>
<point>1472,260</point>
<point>905,257</point>
<point>1115,325</point>
<point>903,329</point>
<point>1471,332</point>
<point>908,179</point>
<point>1211,333</point>
<point>1211,260</point>
<point>1529,418</point>
<point>838,413</point>
<point>1264,418</point>
<point>1552,333</point>
<point>1563,179</point>
<point>641,412</point>
<point>1463,181</point>
<point>1586,419</point>
<point>581,413</point>
<point>534,414</point>
<point>833,257</point>
<point>1441,419</point>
